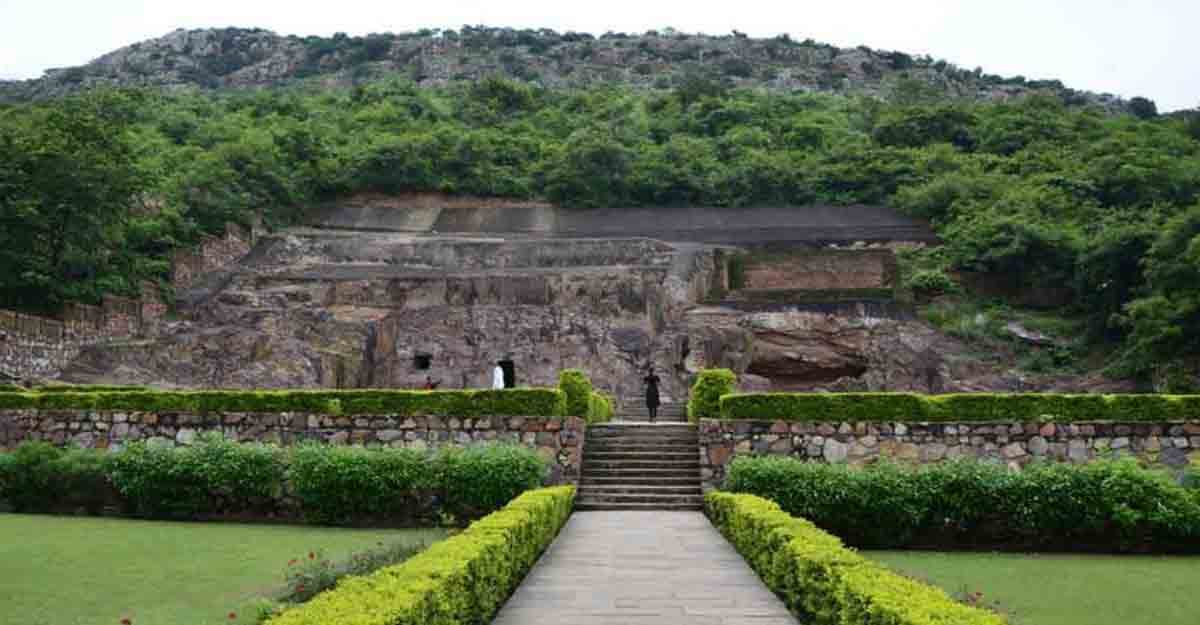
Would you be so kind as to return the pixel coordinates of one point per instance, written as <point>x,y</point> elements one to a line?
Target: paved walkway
<point>642,568</point>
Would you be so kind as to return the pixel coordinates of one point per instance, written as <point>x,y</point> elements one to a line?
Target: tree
<point>1143,108</point>
<point>68,183</point>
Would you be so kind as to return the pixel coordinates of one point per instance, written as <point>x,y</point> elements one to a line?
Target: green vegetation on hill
<point>97,189</point>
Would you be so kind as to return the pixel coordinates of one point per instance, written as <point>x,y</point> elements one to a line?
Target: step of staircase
<point>636,411</point>
<point>636,445</point>
<point>619,453</point>
<point>600,490</point>
<point>639,479</point>
<point>640,466</point>
<point>661,505</point>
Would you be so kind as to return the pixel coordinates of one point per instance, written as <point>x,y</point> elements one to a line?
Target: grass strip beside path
<point>96,571</point>
<point>1052,589</point>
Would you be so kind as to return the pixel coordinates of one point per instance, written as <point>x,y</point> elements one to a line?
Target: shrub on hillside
<point>1108,506</point>
<point>711,384</point>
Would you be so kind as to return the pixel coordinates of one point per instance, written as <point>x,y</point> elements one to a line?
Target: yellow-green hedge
<point>600,409</point>
<point>463,579</point>
<point>973,407</point>
<point>822,581</point>
<point>525,402</point>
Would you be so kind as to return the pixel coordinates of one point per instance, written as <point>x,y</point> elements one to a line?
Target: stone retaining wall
<point>559,441</point>
<point>1165,444</point>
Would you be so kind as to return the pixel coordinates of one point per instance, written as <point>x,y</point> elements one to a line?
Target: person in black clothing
<point>651,381</point>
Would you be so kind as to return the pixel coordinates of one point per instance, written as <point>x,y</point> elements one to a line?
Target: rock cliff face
<point>242,58</point>
<point>385,310</point>
<point>352,308</point>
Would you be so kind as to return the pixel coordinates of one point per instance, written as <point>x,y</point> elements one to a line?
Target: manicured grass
<point>90,571</point>
<point>1065,589</point>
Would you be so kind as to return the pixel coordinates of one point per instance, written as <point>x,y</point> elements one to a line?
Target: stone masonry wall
<point>559,441</point>
<point>824,269</point>
<point>213,253</point>
<point>1167,444</point>
<point>40,347</point>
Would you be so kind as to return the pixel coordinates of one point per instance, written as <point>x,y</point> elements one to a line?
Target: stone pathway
<point>642,568</point>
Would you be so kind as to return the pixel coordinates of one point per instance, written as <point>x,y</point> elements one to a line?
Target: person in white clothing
<point>498,377</point>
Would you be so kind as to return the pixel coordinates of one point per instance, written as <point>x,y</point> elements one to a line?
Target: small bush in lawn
<point>480,479</point>
<point>307,576</point>
<point>338,485</point>
<point>29,485</point>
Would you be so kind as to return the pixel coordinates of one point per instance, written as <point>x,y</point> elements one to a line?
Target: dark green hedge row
<point>318,483</point>
<point>462,580</point>
<point>822,581</point>
<point>471,403</point>
<point>957,408</point>
<point>1113,506</point>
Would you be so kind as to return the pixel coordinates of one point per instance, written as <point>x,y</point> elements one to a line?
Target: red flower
<point>300,588</point>
<point>292,562</point>
<point>126,621</point>
<point>233,616</point>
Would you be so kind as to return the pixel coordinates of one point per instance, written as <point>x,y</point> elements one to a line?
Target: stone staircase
<point>636,411</point>
<point>629,465</point>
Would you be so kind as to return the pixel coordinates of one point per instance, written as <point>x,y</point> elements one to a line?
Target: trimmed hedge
<point>469,403</point>
<point>577,388</point>
<point>710,386</point>
<point>1108,506</point>
<point>463,579</point>
<point>319,483</point>
<point>600,408</point>
<point>823,582</point>
<point>86,388</point>
<point>1047,407</point>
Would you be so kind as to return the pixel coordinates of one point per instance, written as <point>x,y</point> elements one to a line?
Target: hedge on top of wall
<point>823,582</point>
<point>468,403</point>
<point>976,407</point>
<point>463,579</point>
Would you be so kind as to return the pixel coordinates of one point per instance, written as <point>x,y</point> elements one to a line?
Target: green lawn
<point>1066,589</point>
<point>85,571</point>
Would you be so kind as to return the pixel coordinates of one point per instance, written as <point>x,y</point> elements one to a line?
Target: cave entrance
<point>510,373</point>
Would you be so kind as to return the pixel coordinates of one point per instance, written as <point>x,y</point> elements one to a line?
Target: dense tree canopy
<point>97,189</point>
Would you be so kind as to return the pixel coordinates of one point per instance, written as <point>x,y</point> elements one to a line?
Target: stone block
<point>835,451</point>
<point>388,436</point>
<point>933,452</point>
<point>1038,446</point>
<point>1013,451</point>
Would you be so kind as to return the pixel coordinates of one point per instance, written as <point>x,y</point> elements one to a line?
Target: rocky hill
<point>248,58</point>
